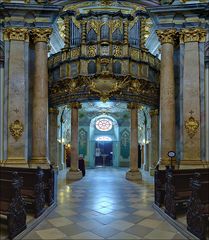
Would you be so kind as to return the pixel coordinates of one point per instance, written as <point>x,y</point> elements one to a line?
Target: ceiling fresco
<point>107,107</point>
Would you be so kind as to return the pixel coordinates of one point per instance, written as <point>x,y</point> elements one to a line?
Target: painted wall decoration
<point>125,144</point>
<point>82,142</point>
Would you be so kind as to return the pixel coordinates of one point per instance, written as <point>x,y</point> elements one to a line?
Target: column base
<point>39,161</point>
<point>134,175</point>
<point>191,164</point>
<point>74,175</point>
<point>152,171</point>
<point>15,162</point>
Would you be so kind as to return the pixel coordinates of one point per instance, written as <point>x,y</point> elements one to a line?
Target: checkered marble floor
<point>104,205</point>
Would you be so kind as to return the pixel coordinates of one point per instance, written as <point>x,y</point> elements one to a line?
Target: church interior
<point>104,119</point>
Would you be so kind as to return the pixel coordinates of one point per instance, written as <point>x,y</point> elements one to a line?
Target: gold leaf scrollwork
<point>16,129</point>
<point>191,126</point>
<point>117,52</point>
<point>92,51</point>
<point>75,52</point>
<point>106,87</point>
<point>94,25</point>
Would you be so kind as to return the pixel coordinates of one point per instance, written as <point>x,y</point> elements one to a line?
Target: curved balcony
<point>105,72</point>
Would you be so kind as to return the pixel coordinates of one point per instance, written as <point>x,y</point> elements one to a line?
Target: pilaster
<point>17,96</point>
<point>193,97</point>
<point>2,55</point>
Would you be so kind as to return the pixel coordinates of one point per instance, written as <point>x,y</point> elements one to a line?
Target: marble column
<point>193,97</point>
<point>16,96</point>
<point>40,99</point>
<point>146,156</point>
<point>207,101</point>
<point>134,173</point>
<point>142,155</point>
<point>167,96</point>
<point>154,144</point>
<point>2,105</point>
<point>146,146</point>
<point>74,173</point>
<point>53,150</point>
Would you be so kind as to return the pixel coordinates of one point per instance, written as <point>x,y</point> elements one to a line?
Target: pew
<point>32,189</point>
<point>12,205</point>
<point>160,180</point>
<point>178,189</point>
<point>49,185</point>
<point>198,207</point>
<point>48,180</point>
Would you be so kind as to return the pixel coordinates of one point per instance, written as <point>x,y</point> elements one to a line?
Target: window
<point>103,139</point>
<point>104,124</point>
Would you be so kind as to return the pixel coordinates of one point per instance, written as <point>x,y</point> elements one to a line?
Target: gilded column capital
<point>154,112</point>
<point>17,34</point>
<point>76,105</point>
<point>193,35</point>
<point>133,105</point>
<point>53,110</point>
<point>41,34</point>
<point>166,36</point>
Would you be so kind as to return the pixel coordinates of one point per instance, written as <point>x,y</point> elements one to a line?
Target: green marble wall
<point>125,144</point>
<point>83,142</point>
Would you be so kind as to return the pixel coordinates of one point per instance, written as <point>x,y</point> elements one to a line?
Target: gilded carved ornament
<point>191,125</point>
<point>134,54</point>
<point>94,24</point>
<point>133,105</point>
<point>16,129</point>
<point>76,22</point>
<point>106,2</point>
<point>76,105</point>
<point>166,36</point>
<point>193,35</point>
<point>92,51</point>
<point>154,112</point>
<point>41,34</point>
<point>116,24</point>
<point>105,87</point>
<point>75,53</point>
<point>17,34</point>
<point>54,111</point>
<point>117,51</point>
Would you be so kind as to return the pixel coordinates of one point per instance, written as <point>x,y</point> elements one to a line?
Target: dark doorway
<point>103,153</point>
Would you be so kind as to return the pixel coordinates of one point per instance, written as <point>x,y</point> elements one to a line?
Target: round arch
<point>112,133</point>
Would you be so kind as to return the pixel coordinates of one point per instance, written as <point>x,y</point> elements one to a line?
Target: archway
<point>104,139</point>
